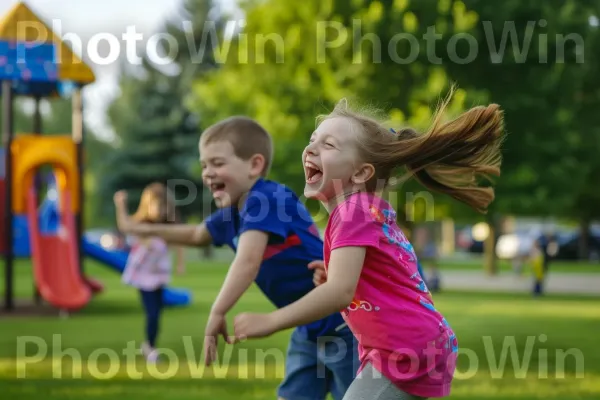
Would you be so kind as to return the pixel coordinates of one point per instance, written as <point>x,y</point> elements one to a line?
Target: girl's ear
<point>363,174</point>
<point>257,165</point>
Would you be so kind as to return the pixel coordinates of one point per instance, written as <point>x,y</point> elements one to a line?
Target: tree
<point>148,130</point>
<point>157,131</point>
<point>95,151</point>
<point>288,65</point>
<point>539,61</point>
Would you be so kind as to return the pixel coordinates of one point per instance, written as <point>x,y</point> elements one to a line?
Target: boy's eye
<point>328,144</point>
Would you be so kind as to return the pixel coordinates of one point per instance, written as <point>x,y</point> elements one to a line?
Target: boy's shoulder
<point>272,192</point>
<point>275,203</point>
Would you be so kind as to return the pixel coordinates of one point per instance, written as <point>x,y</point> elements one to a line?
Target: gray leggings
<point>370,384</point>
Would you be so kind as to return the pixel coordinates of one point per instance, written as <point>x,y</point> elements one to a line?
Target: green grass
<point>484,323</point>
<point>476,264</point>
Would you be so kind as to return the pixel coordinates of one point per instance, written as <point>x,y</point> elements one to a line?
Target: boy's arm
<point>180,234</point>
<point>243,270</point>
<point>335,294</point>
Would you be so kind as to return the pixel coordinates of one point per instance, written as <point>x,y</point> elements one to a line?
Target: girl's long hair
<point>159,194</point>
<point>450,157</point>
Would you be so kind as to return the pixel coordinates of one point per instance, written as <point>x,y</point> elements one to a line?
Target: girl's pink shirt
<point>398,329</point>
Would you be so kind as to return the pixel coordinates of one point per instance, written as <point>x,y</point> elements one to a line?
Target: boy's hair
<point>156,193</point>
<point>448,158</point>
<point>246,136</point>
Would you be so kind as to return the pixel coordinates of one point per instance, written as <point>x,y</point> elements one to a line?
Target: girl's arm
<point>335,294</point>
<point>180,260</point>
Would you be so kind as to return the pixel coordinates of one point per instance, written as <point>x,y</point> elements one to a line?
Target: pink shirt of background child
<point>392,314</point>
<point>148,265</point>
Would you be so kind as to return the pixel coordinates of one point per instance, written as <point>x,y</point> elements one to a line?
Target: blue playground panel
<point>27,61</point>
<point>21,245</point>
<point>30,67</point>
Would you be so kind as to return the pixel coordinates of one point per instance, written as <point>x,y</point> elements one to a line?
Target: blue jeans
<point>153,304</point>
<point>314,369</point>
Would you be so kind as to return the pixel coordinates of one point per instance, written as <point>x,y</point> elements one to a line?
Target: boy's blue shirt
<point>294,242</point>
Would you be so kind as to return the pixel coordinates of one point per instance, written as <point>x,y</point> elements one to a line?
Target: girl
<point>149,264</point>
<point>407,348</point>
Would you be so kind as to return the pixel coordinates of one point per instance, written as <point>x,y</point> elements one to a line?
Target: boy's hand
<point>216,325</point>
<point>250,325</point>
<point>319,276</point>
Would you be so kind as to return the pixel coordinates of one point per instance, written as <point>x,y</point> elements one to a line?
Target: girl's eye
<point>329,145</point>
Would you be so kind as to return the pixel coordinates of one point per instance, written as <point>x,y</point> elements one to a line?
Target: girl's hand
<point>120,198</point>
<point>180,259</point>
<point>123,221</point>
<point>319,276</point>
<point>250,325</point>
<point>181,269</point>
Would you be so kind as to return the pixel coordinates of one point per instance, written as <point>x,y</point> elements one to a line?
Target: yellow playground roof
<point>32,29</point>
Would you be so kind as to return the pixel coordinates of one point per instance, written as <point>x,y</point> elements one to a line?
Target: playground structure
<point>52,234</point>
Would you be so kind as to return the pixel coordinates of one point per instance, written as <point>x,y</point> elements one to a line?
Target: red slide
<point>55,261</point>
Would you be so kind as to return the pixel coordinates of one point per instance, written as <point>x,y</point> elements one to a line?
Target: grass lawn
<point>512,347</point>
<point>475,263</point>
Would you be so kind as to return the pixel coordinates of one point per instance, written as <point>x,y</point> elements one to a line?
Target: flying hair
<point>451,157</point>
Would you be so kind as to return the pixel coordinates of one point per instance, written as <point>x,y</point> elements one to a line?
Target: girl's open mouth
<point>313,172</point>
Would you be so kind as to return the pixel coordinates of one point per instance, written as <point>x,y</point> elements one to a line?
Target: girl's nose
<point>311,149</point>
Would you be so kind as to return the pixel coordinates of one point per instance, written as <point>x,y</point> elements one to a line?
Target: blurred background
<point>195,62</point>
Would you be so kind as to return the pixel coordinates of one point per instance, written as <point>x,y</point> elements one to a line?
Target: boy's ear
<point>257,165</point>
<point>363,174</point>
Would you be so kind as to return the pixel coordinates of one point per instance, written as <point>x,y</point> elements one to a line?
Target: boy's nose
<point>207,173</point>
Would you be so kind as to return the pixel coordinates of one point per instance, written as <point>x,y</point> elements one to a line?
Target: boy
<point>274,239</point>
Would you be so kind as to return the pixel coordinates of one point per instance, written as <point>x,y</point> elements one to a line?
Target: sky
<point>93,19</point>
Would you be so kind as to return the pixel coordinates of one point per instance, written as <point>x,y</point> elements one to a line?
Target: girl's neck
<point>332,203</point>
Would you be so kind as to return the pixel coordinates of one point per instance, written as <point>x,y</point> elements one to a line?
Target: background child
<point>274,238</point>
<point>536,259</point>
<point>407,348</point>
<point>149,263</point>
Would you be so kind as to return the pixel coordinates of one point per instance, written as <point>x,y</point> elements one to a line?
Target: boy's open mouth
<point>217,187</point>
<point>313,172</point>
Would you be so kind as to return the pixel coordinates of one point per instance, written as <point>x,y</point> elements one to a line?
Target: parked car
<point>518,244</point>
<point>466,242</point>
<point>568,246</point>
<point>562,245</point>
